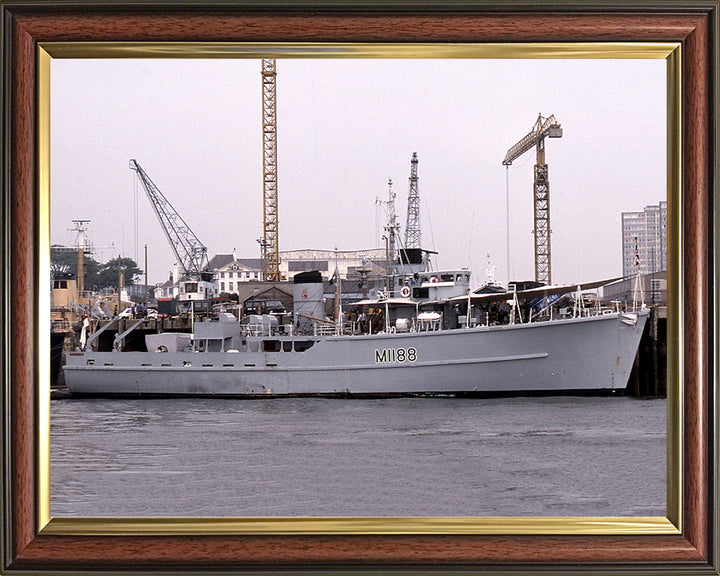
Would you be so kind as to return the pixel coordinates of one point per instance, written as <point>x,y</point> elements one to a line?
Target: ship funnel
<point>307,300</point>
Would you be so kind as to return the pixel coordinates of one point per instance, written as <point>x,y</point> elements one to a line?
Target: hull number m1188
<point>395,355</point>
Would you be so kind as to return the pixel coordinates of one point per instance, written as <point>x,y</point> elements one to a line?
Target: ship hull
<point>583,354</point>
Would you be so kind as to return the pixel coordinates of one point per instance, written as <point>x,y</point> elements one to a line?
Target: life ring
<point>433,278</point>
<point>405,291</point>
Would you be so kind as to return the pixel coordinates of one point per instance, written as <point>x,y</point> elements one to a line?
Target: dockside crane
<point>269,242</point>
<point>190,252</point>
<point>550,128</point>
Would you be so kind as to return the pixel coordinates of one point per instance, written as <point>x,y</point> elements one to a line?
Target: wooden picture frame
<point>687,542</point>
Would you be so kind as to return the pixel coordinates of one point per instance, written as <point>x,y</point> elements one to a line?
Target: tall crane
<point>544,127</point>
<point>191,254</point>
<point>269,243</point>
<point>412,229</point>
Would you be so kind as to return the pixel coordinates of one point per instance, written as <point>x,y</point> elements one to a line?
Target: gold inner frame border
<point>282,526</point>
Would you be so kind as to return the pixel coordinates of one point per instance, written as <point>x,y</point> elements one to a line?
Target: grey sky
<point>344,128</point>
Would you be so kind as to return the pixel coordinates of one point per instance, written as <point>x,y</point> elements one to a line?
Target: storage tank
<point>307,300</point>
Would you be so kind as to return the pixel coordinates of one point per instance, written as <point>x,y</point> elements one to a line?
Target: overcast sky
<point>344,128</point>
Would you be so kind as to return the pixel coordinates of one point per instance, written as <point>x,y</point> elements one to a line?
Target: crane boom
<point>544,127</point>
<point>191,254</point>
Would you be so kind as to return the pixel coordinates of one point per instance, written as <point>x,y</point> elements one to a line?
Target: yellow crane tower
<point>269,241</point>
<point>544,127</point>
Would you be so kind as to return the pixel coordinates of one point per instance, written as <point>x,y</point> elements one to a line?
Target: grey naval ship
<point>435,337</point>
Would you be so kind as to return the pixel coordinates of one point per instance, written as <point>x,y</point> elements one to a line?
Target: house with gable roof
<point>229,271</point>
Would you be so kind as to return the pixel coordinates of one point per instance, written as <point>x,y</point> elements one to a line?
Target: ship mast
<point>392,229</point>
<point>338,297</point>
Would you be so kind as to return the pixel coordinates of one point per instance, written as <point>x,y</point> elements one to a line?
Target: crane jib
<point>549,128</point>
<point>191,254</point>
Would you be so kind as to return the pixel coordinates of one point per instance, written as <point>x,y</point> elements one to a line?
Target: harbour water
<point>552,456</point>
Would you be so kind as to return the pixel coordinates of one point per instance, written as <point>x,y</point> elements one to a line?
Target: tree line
<point>97,275</point>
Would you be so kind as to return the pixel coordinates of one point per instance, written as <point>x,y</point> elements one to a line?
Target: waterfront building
<point>138,292</point>
<point>349,263</point>
<point>653,286</point>
<point>167,290</point>
<point>229,271</point>
<point>232,275</point>
<point>645,233</point>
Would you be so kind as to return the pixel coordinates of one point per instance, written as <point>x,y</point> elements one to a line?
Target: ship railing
<point>258,330</point>
<point>321,329</point>
<point>549,313</point>
<point>327,329</point>
<point>71,308</point>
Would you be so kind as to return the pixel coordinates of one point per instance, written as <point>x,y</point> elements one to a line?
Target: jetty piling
<point>648,378</point>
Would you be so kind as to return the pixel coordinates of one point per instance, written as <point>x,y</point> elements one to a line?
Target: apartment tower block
<point>644,240</point>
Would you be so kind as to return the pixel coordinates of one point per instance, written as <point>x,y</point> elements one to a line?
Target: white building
<point>167,290</point>
<point>648,231</point>
<point>348,262</point>
<point>229,271</point>
<point>171,287</point>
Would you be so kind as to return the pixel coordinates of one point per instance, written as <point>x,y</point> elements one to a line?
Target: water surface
<point>556,456</point>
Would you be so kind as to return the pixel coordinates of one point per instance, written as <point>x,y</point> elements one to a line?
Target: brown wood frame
<point>692,23</point>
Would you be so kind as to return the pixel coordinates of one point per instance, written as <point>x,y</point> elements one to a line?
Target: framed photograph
<point>682,36</point>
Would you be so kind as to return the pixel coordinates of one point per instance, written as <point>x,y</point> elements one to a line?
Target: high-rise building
<point>644,238</point>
